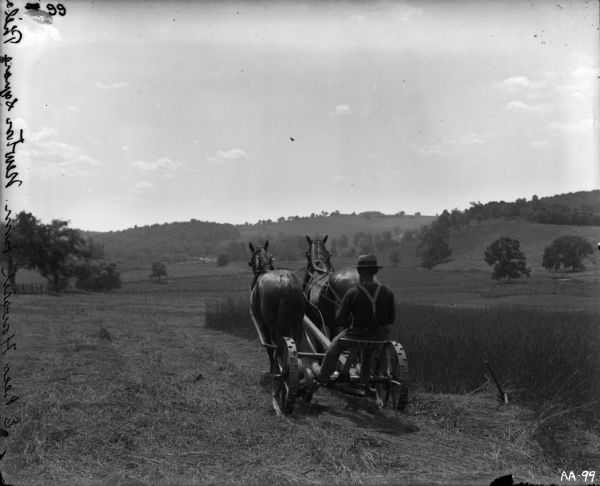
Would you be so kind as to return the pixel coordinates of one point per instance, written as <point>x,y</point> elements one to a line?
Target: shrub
<point>159,270</point>
<point>98,277</point>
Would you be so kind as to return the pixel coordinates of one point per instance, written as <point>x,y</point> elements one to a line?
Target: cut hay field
<point>131,388</point>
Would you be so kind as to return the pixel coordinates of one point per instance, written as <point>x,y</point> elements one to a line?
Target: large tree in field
<point>159,270</point>
<point>57,251</point>
<point>19,243</point>
<point>567,251</point>
<point>507,258</point>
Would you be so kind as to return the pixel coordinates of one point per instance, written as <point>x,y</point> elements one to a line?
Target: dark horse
<point>324,287</point>
<point>276,299</point>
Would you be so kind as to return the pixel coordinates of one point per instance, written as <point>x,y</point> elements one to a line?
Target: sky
<point>146,112</point>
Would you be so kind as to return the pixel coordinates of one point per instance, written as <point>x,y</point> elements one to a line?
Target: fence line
<point>30,289</point>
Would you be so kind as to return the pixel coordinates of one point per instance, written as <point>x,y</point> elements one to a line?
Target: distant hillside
<point>471,230</point>
<point>336,225</point>
<point>575,208</point>
<point>184,241</point>
<point>169,242</point>
<point>575,200</point>
<point>349,235</point>
<point>469,244</point>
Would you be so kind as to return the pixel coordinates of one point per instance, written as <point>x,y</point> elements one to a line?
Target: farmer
<point>370,309</point>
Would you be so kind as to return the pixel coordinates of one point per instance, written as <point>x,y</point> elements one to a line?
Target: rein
<point>316,281</point>
<point>322,295</point>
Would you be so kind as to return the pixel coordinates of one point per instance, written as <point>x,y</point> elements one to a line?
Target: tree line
<point>578,208</point>
<point>168,242</point>
<point>58,253</point>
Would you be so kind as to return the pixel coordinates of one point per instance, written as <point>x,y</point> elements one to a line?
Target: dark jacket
<point>358,306</point>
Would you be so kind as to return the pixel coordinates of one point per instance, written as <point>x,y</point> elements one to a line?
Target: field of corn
<point>539,356</point>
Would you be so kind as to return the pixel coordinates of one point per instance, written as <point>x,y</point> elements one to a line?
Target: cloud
<point>405,13</point>
<point>339,110</point>
<point>538,144</point>
<point>141,190</point>
<point>581,126</point>
<point>524,107</point>
<point>585,71</point>
<point>435,149</point>
<point>401,13</point>
<point>72,108</point>
<point>519,83</point>
<point>233,155</point>
<point>143,187</point>
<point>119,85</point>
<point>48,156</point>
<point>340,177</point>
<point>451,146</point>
<point>44,134</point>
<point>343,110</point>
<point>20,124</point>
<point>470,139</point>
<point>583,81</point>
<point>357,17</point>
<point>162,163</point>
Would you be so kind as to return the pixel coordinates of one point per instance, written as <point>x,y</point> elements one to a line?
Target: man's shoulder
<point>370,287</point>
<point>385,290</point>
<point>352,291</point>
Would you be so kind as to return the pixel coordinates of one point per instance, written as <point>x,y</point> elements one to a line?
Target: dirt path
<point>135,390</point>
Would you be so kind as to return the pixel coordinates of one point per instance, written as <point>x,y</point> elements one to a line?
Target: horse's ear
<point>251,246</point>
<point>309,240</point>
<point>325,239</point>
<point>266,245</point>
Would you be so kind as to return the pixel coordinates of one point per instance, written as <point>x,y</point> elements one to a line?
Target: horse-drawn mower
<point>292,376</point>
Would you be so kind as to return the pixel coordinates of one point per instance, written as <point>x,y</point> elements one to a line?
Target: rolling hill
<point>182,241</point>
<point>473,230</point>
<point>336,225</point>
<point>469,245</point>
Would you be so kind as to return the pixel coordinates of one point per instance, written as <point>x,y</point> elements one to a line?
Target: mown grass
<point>539,356</point>
<point>127,389</point>
<point>134,389</point>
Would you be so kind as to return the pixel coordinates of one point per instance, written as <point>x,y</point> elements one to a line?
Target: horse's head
<point>317,256</point>
<point>260,261</point>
